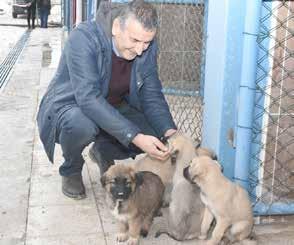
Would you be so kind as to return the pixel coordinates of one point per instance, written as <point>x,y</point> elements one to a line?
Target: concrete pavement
<point>8,39</point>
<point>33,211</point>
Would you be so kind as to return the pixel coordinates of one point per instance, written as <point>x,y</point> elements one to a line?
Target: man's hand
<point>152,146</point>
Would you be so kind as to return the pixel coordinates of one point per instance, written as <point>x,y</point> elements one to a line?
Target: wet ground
<point>9,35</point>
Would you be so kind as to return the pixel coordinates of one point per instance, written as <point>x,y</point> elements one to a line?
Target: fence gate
<point>180,60</point>
<point>272,166</point>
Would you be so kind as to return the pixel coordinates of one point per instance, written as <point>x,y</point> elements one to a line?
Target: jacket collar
<point>106,13</point>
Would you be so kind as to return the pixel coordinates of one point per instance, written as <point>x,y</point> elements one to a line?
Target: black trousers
<point>31,16</point>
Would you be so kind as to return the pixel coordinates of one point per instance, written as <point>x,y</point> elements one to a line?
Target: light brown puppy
<point>133,198</point>
<point>186,209</point>
<point>224,200</point>
<point>181,149</point>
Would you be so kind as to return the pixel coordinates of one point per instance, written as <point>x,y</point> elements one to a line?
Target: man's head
<point>134,28</point>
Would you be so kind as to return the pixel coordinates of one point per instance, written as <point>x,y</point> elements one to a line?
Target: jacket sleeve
<point>81,53</point>
<point>154,105</point>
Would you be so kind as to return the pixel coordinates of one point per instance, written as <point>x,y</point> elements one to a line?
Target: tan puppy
<point>182,149</point>
<point>133,198</point>
<point>186,209</point>
<point>224,200</point>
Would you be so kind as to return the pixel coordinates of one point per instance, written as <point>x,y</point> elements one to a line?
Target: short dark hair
<point>142,11</point>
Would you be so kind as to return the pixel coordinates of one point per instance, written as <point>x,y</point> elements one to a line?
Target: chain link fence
<point>272,168</point>
<point>180,61</point>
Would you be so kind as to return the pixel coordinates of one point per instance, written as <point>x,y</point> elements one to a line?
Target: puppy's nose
<point>120,193</point>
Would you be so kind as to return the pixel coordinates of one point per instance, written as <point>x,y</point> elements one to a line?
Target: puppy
<point>185,209</point>
<point>225,201</point>
<point>179,146</point>
<point>134,198</point>
<point>182,149</point>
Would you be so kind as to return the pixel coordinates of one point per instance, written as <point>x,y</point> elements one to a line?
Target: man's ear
<point>139,178</point>
<point>115,27</point>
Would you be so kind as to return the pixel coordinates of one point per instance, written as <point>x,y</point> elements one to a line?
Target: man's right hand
<point>152,146</point>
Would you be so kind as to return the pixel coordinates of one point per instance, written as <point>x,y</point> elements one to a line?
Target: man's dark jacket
<point>44,4</point>
<point>82,80</point>
<point>32,7</point>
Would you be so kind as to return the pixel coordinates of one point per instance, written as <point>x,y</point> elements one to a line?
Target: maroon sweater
<point>120,79</point>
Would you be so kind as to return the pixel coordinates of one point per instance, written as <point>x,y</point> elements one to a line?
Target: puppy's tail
<point>160,232</point>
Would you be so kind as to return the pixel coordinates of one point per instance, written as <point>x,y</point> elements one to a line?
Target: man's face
<point>132,39</point>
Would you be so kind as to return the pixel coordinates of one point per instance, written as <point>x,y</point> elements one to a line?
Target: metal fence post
<point>247,93</point>
<point>222,76</point>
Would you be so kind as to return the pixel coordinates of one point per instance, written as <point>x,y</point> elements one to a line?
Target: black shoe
<point>73,186</point>
<point>97,158</point>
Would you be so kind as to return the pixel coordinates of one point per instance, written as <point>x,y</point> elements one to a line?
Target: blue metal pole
<point>67,12</point>
<point>247,93</point>
<point>89,10</point>
<point>225,25</point>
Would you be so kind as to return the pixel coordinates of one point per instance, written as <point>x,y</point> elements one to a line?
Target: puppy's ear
<point>103,180</point>
<point>197,168</point>
<point>219,165</point>
<point>173,156</point>
<point>202,151</point>
<point>139,178</point>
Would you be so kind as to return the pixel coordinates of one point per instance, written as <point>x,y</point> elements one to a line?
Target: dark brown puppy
<point>133,198</point>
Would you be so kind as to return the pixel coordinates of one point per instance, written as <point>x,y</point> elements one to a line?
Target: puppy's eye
<point>128,184</point>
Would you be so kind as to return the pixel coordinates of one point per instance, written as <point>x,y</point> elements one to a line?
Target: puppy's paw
<point>144,233</point>
<point>202,236</point>
<point>121,237</point>
<point>158,213</point>
<point>133,241</point>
